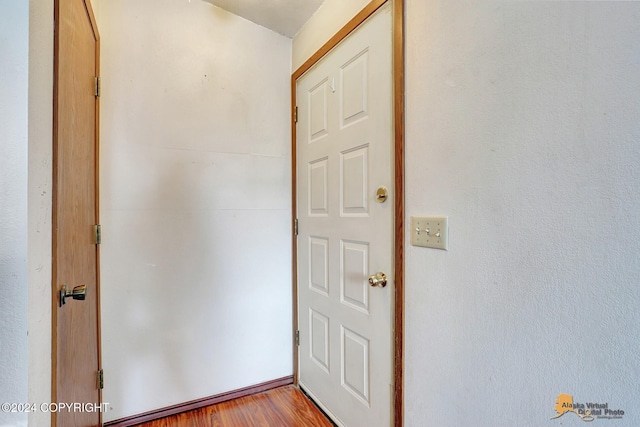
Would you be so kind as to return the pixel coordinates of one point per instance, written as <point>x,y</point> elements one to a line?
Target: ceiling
<point>282,16</point>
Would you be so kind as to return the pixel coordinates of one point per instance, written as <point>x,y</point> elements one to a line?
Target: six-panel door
<point>345,151</point>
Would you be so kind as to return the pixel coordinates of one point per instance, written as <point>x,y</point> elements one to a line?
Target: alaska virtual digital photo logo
<point>586,411</point>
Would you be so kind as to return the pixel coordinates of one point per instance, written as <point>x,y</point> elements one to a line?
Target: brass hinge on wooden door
<point>295,115</point>
<point>98,234</point>
<point>97,86</point>
<point>295,227</point>
<point>297,338</point>
<point>100,379</point>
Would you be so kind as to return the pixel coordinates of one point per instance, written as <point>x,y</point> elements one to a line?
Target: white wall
<point>195,203</point>
<point>522,126</point>
<point>39,204</point>
<point>527,114</point>
<point>14,60</point>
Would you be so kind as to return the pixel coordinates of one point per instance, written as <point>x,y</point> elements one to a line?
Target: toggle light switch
<point>430,232</point>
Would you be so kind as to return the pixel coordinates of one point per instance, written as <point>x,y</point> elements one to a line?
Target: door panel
<point>353,182</point>
<point>344,154</point>
<point>353,79</point>
<point>75,324</point>
<point>354,292</point>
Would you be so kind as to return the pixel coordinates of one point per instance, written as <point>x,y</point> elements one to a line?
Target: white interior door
<point>345,153</point>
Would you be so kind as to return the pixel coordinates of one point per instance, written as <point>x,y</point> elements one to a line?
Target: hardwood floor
<point>281,407</point>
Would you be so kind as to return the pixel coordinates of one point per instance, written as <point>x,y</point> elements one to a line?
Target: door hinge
<point>295,115</point>
<point>100,379</point>
<point>295,226</point>
<point>97,87</point>
<point>297,338</point>
<point>98,231</point>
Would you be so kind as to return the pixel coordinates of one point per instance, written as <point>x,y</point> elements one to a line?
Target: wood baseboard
<point>199,403</point>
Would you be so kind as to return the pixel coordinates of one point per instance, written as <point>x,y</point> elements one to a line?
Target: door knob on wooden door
<point>378,280</point>
<point>77,293</point>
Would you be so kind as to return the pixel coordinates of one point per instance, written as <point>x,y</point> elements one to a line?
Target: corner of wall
<point>39,205</point>
<point>328,19</point>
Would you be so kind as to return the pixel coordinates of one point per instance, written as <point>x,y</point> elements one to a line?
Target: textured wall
<point>195,203</point>
<point>523,127</point>
<point>14,36</point>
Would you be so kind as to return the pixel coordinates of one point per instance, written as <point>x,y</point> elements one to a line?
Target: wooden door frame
<point>55,185</point>
<point>398,101</point>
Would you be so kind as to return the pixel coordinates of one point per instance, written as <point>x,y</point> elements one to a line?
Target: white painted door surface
<point>345,153</point>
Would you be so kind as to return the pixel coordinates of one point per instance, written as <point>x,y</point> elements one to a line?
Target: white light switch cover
<point>430,232</point>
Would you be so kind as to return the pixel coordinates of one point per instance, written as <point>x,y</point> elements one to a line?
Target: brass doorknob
<point>382,194</point>
<point>378,280</point>
<point>78,293</point>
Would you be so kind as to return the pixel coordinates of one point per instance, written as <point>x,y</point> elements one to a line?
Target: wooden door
<point>76,346</point>
<point>345,153</point>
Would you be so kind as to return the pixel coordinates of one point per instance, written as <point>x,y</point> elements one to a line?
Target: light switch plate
<point>430,232</point>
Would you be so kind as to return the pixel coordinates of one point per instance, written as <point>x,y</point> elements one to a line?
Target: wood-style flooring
<point>281,407</point>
